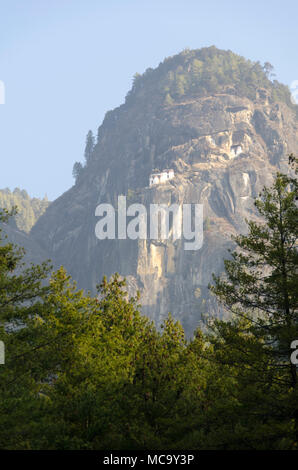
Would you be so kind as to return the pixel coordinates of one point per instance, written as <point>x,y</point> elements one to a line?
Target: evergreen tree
<point>260,289</point>
<point>77,170</point>
<point>20,292</point>
<point>40,323</point>
<point>87,372</point>
<point>269,70</point>
<point>89,146</point>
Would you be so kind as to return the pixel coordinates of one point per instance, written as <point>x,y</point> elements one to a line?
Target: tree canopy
<point>29,209</point>
<point>85,372</point>
<point>205,71</point>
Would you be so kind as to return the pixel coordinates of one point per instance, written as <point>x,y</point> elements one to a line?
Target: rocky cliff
<point>33,252</point>
<point>224,127</point>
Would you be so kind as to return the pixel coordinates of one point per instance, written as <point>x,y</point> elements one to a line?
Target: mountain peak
<point>201,72</point>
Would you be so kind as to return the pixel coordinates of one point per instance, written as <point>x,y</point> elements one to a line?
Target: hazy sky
<point>66,62</point>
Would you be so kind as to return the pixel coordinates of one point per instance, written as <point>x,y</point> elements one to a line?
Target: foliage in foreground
<point>93,373</point>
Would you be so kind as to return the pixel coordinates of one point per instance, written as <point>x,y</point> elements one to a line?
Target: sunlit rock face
<point>223,149</point>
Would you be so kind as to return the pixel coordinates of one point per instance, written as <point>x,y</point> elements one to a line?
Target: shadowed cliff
<point>224,127</point>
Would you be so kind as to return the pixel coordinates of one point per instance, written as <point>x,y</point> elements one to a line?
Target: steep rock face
<point>33,252</point>
<point>223,147</point>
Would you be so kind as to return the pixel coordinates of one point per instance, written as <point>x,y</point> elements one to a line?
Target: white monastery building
<point>162,177</point>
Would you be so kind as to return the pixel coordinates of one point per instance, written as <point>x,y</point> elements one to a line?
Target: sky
<point>65,63</point>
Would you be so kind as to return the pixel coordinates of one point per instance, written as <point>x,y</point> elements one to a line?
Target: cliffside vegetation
<point>93,373</point>
<point>205,71</point>
<point>78,167</point>
<point>29,209</point>
<point>196,73</point>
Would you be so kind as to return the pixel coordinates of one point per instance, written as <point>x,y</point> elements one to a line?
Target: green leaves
<point>207,71</point>
<point>261,292</point>
<point>87,372</point>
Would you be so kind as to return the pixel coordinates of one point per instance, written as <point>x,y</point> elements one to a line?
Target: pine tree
<point>260,290</point>
<point>42,322</point>
<point>77,170</point>
<point>21,289</point>
<point>269,70</point>
<point>89,146</point>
